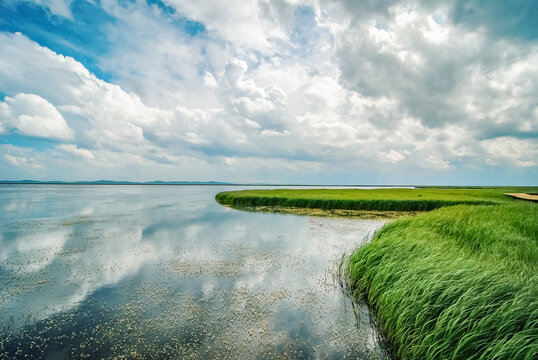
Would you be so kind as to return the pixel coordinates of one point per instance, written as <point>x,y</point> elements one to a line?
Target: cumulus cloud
<point>32,115</point>
<point>511,151</point>
<point>74,150</point>
<point>252,25</point>
<point>158,61</point>
<point>394,156</point>
<point>455,77</point>
<point>23,162</point>
<point>437,162</point>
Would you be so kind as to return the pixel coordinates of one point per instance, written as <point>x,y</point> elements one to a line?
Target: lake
<point>140,271</point>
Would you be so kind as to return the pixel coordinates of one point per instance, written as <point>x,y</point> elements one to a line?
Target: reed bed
<point>459,282</point>
<point>362,199</point>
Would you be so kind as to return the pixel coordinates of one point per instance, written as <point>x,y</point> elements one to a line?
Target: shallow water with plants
<point>166,272</point>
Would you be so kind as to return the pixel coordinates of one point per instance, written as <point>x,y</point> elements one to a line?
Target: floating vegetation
<point>77,221</point>
<point>350,214</point>
<point>218,268</point>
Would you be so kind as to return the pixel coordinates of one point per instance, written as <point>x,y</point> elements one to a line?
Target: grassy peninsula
<point>459,282</point>
<point>424,199</point>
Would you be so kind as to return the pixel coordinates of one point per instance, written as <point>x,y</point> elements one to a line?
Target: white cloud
<point>511,151</point>
<point>267,132</point>
<point>59,7</point>
<point>209,80</point>
<point>158,61</point>
<point>436,162</point>
<point>394,156</point>
<point>250,24</point>
<point>252,124</point>
<point>456,77</point>
<point>74,150</point>
<point>14,160</point>
<point>33,116</point>
<point>55,7</point>
<point>21,161</point>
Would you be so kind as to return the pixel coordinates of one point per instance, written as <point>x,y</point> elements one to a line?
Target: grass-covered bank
<point>457,283</point>
<point>423,199</point>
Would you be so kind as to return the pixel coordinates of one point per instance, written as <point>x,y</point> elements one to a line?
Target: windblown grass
<point>456,283</point>
<point>365,199</point>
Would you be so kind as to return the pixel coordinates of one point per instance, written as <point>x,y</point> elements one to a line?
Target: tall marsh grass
<point>459,282</point>
<point>327,201</point>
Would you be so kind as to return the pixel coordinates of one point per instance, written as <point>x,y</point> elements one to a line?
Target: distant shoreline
<point>217,183</point>
<point>108,183</point>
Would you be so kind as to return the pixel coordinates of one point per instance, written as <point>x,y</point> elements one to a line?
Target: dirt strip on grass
<point>524,196</point>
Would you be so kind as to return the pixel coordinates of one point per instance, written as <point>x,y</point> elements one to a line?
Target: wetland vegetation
<point>423,199</point>
<point>459,282</point>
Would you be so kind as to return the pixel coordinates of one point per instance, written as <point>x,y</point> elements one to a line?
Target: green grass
<point>459,282</point>
<point>422,199</point>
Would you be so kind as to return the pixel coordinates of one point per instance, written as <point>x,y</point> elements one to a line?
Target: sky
<point>273,91</point>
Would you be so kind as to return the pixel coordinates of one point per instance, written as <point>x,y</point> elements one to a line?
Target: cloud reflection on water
<point>168,250</point>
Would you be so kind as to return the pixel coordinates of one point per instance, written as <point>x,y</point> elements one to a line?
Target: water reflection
<point>164,271</point>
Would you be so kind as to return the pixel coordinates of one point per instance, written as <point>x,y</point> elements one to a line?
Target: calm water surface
<point>166,272</point>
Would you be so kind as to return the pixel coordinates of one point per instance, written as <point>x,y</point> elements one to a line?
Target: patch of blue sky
<point>505,19</point>
<point>191,27</point>
<point>304,23</point>
<point>165,9</point>
<point>381,26</point>
<point>306,32</point>
<point>22,141</point>
<point>82,38</point>
<point>440,18</point>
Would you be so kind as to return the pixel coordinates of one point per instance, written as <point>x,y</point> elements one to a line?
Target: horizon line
<point>224,183</point>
